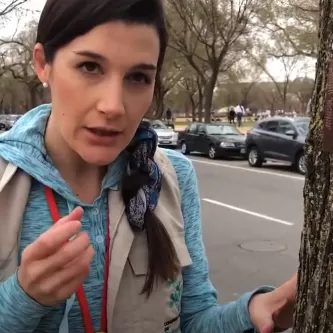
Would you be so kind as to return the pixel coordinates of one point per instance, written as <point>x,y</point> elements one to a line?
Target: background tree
<point>191,84</point>
<point>269,47</point>
<point>210,34</point>
<point>302,88</point>
<point>295,22</point>
<point>8,6</point>
<point>314,302</point>
<point>171,74</point>
<point>242,77</point>
<point>206,66</point>
<point>16,69</point>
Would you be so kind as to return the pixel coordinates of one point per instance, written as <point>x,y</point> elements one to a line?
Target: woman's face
<point>102,85</point>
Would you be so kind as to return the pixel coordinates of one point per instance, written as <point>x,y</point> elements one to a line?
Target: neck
<point>74,170</point>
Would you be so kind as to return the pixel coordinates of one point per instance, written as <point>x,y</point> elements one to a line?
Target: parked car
<point>11,119</point>
<point>278,139</point>
<point>3,122</point>
<point>215,140</point>
<point>167,137</point>
<point>7,121</point>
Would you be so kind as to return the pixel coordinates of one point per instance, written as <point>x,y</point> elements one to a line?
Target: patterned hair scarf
<point>142,151</point>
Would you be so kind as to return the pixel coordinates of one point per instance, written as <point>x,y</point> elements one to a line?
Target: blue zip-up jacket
<point>24,146</point>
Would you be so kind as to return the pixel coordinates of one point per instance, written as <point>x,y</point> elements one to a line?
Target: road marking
<point>278,174</point>
<point>245,211</point>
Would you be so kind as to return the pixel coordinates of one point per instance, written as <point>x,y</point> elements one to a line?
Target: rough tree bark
<point>314,306</point>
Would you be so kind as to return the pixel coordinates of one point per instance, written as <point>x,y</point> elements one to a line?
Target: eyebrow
<point>96,56</point>
<point>90,54</point>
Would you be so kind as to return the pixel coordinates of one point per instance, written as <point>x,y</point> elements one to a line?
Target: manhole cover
<point>263,246</point>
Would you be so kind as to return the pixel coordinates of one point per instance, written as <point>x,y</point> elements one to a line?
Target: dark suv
<point>278,139</point>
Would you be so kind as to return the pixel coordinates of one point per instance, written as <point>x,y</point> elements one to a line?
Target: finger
<point>62,293</point>
<point>287,291</point>
<point>79,266</point>
<point>62,280</point>
<point>74,215</point>
<point>67,290</point>
<point>50,242</point>
<point>66,254</point>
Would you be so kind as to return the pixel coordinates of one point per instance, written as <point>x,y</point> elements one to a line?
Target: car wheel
<point>184,149</point>
<point>212,152</point>
<point>254,159</point>
<point>301,163</point>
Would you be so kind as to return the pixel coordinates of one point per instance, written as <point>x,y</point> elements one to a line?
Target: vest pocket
<point>163,307</point>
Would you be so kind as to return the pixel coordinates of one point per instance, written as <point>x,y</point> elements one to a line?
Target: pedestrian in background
<point>239,114</point>
<point>232,115</point>
<point>110,225</point>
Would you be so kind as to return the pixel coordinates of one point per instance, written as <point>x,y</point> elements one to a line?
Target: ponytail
<point>163,263</point>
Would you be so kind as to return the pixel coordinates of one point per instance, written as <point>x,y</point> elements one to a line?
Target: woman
<point>125,251</point>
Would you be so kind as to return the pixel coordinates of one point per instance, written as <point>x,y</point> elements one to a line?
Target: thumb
<point>74,215</point>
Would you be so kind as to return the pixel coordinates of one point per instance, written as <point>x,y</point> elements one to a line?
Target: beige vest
<point>128,310</point>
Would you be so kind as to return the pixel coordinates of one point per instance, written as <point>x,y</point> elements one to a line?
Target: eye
<point>90,67</point>
<point>138,77</point>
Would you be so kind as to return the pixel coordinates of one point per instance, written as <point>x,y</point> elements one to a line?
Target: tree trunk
<point>193,109</point>
<point>209,94</point>
<point>200,105</point>
<point>314,306</point>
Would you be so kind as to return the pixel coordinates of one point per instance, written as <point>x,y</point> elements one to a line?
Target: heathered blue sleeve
<point>199,309</point>
<point>18,312</point>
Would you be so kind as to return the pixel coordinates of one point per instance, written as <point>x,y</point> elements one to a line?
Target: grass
<point>181,123</point>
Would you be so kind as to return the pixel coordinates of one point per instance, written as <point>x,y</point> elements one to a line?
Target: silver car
<point>167,137</point>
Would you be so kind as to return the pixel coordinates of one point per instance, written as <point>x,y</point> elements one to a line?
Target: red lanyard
<point>88,325</point>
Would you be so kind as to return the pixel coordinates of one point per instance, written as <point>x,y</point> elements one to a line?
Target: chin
<point>100,157</point>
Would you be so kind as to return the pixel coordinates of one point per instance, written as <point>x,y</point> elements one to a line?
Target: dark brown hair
<point>61,22</point>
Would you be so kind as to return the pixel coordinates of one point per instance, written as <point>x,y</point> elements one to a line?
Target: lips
<point>102,136</point>
<point>103,131</point>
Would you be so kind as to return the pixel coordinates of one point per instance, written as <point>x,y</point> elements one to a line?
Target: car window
<point>271,126</point>
<point>302,126</point>
<point>201,128</point>
<point>285,126</point>
<point>193,128</point>
<point>230,130</point>
<point>260,125</point>
<point>158,124</point>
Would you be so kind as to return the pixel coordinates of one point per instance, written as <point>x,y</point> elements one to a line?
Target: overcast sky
<point>275,67</point>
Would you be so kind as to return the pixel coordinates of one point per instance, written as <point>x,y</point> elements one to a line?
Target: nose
<point>111,100</point>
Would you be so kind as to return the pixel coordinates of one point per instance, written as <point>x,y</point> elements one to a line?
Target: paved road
<point>260,209</point>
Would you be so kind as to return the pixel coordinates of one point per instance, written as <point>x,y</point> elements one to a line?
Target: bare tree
<point>295,22</point>
<point>282,84</point>
<point>243,77</point>
<point>16,62</point>
<point>192,86</point>
<point>171,74</point>
<point>302,88</point>
<point>208,33</point>
<point>8,6</point>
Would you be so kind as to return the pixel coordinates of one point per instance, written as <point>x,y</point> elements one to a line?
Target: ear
<point>42,68</point>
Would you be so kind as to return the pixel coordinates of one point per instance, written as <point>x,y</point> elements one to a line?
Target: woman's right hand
<point>52,268</point>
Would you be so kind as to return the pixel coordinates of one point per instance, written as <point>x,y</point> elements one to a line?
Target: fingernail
<point>73,237</point>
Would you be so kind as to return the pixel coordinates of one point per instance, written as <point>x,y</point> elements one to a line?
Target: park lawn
<point>182,123</point>
<point>186,121</point>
